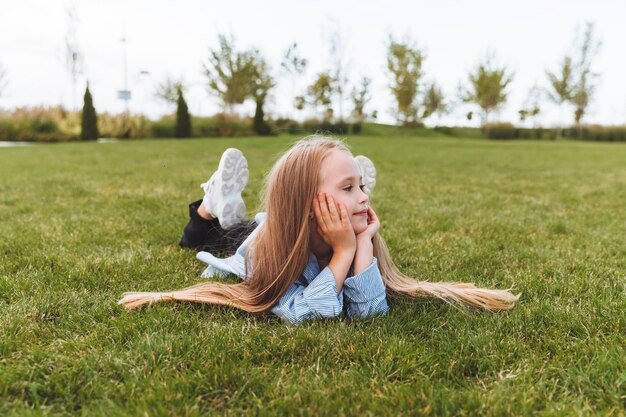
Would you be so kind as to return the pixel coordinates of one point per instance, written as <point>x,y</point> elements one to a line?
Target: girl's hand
<point>373,225</point>
<point>333,224</point>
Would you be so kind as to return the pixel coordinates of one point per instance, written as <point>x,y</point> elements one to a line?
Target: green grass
<point>84,222</point>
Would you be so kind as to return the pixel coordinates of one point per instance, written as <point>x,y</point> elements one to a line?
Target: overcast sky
<point>173,38</point>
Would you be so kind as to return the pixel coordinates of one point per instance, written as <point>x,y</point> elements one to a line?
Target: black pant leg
<point>208,235</point>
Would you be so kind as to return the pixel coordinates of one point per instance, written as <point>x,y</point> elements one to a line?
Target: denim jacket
<point>314,294</point>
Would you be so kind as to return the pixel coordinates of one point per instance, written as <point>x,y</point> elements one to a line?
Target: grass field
<point>83,222</point>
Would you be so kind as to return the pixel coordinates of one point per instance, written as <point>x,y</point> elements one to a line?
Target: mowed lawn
<point>83,222</point>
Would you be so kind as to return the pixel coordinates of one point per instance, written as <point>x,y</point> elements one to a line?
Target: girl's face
<point>341,179</point>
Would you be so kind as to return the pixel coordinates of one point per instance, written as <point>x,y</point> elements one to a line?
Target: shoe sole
<point>232,179</point>
<point>368,171</point>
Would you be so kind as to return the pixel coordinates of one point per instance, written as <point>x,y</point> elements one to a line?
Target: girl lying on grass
<point>314,252</point>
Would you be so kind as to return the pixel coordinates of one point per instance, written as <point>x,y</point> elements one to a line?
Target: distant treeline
<point>55,124</point>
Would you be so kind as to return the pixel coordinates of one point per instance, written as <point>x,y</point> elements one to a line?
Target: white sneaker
<point>222,193</point>
<point>368,172</point>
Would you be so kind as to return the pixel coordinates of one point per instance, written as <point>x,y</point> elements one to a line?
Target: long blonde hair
<point>280,250</point>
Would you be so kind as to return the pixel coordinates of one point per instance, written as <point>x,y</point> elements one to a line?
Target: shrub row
<point>591,132</point>
<point>311,126</point>
<point>55,124</point>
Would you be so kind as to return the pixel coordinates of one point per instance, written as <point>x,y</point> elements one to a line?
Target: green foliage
<point>231,73</point>
<point>584,89</point>
<point>597,133</point>
<point>163,128</point>
<point>546,219</point>
<point>286,125</point>
<point>41,124</point>
<point>500,131</point>
<point>528,113</point>
<point>183,119</point>
<point>404,62</point>
<point>487,87</point>
<point>124,126</point>
<point>562,83</point>
<point>167,90</point>
<point>320,93</point>
<point>576,82</point>
<point>89,118</point>
<point>325,126</point>
<point>433,101</point>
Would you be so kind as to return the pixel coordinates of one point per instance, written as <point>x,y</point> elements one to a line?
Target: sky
<point>173,38</point>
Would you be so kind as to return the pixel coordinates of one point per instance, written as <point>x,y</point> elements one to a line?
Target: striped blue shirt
<point>314,294</point>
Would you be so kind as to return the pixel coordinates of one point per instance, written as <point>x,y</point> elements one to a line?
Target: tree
<point>167,90</point>
<point>585,86</point>
<point>561,87</point>
<point>487,87</point>
<point>321,91</point>
<point>3,79</point>
<point>230,73</point>
<point>575,82</point>
<point>183,119</point>
<point>293,65</point>
<point>263,82</point>
<point>404,62</point>
<point>433,101</point>
<point>73,54</point>
<point>531,109</point>
<point>339,58</point>
<point>89,118</point>
<point>360,98</point>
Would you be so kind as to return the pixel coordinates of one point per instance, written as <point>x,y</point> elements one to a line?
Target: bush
<point>45,124</point>
<point>461,132</point>
<point>285,125</point>
<point>89,118</point>
<point>163,128</point>
<point>500,131</point>
<point>123,126</point>
<point>325,127</point>
<point>233,125</point>
<point>597,133</point>
<point>183,119</point>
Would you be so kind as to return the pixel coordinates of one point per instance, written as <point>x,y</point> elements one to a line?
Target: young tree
<point>183,118</point>
<point>263,82</point>
<point>531,109</point>
<point>339,58</point>
<point>230,73</point>
<point>561,87</point>
<point>89,118</point>
<point>293,65</point>
<point>167,90</point>
<point>487,88</point>
<point>404,62</point>
<point>3,79</point>
<point>433,101</point>
<point>321,91</point>
<point>360,98</point>
<point>576,82</point>
<point>73,54</point>
<point>588,47</point>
